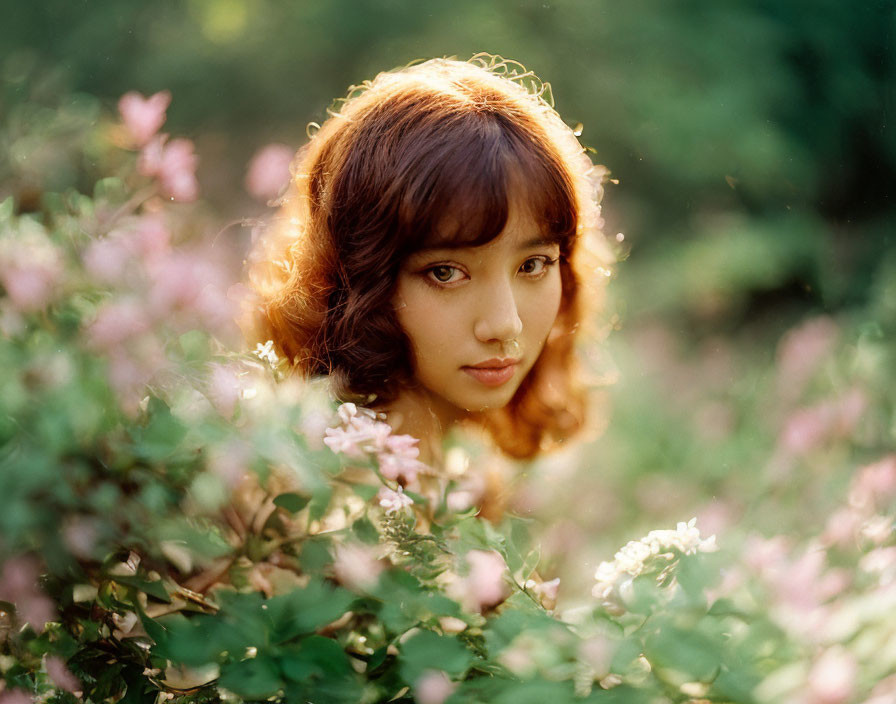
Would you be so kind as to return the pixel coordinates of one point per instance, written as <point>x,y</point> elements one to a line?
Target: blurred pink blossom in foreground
<point>833,677</point>
<point>224,388</point>
<point>357,566</point>
<point>143,117</point>
<point>61,675</point>
<point>16,696</point>
<point>800,353</point>
<point>810,428</point>
<point>116,322</point>
<point>433,687</point>
<point>18,585</point>
<point>484,585</point>
<point>269,171</point>
<point>173,164</point>
<point>874,485</point>
<point>30,267</point>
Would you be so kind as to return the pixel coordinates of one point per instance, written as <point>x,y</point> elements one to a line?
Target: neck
<point>424,417</point>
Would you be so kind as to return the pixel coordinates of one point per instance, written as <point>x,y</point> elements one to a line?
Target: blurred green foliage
<point>752,137</point>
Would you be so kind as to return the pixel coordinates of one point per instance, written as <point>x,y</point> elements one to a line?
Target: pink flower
<point>433,687</point>
<point>809,428</point>
<point>30,269</point>
<point>313,428</point>
<point>884,692</point>
<point>405,445</point>
<point>130,370</point>
<point>460,500</point>
<point>350,443</point>
<point>61,675</point>
<point>153,237</point>
<point>801,351</point>
<point>173,164</point>
<point>842,528</point>
<point>230,463</point>
<point>393,501</point>
<point>875,484</point>
<point>224,389</point>
<point>115,323</point>
<point>399,459</point>
<point>359,436</point>
<point>549,590</point>
<point>107,259</point>
<point>16,696</point>
<point>269,171</point>
<point>178,170</point>
<point>143,116</point>
<point>484,586</point>
<point>832,679</point>
<point>357,566</point>
<point>597,653</point>
<point>177,281</point>
<point>29,288</point>
<point>18,585</point>
<point>80,534</point>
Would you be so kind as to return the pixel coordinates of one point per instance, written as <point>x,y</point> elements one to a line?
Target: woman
<point>434,254</point>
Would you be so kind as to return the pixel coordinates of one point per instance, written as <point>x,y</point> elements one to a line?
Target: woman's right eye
<point>444,274</point>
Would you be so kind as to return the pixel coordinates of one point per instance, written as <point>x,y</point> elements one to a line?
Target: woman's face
<point>478,317</point>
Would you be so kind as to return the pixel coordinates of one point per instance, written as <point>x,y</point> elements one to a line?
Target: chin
<point>488,401</point>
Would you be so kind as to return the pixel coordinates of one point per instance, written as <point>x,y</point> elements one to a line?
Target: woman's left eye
<point>535,266</point>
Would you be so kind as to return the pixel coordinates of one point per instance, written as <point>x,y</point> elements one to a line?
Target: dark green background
<point>753,140</point>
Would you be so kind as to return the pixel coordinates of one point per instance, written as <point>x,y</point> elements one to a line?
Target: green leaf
<point>320,501</point>
<point>154,589</point>
<point>687,653</point>
<point>365,491</point>
<point>194,346</point>
<point>319,670</point>
<point>316,656</point>
<point>161,435</point>
<point>253,679</point>
<point>7,208</point>
<point>303,611</point>
<point>430,651</point>
<point>315,554</point>
<point>365,531</point>
<point>291,502</point>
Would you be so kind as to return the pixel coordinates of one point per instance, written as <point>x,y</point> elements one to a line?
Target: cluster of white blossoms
<point>639,556</point>
<point>362,435</point>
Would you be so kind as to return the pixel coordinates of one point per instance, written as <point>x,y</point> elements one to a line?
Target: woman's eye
<point>445,274</point>
<point>536,266</point>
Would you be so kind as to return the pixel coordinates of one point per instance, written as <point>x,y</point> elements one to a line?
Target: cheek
<point>427,324</point>
<point>542,310</point>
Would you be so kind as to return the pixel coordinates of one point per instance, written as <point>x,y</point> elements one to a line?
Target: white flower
<point>393,501</point>
<point>636,556</point>
<point>266,352</point>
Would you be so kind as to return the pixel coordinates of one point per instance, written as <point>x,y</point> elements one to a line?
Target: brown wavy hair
<point>428,155</point>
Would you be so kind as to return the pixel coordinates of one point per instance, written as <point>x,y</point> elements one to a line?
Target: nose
<point>498,318</point>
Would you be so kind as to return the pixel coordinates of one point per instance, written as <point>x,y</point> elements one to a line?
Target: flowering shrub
<point>179,520</point>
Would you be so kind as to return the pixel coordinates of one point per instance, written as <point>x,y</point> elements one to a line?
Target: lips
<point>493,372</point>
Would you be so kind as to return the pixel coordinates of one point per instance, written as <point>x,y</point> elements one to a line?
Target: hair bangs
<point>466,199</point>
